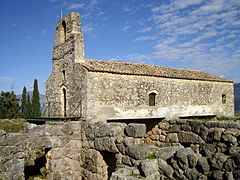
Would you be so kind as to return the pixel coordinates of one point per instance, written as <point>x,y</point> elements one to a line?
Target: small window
<point>64,74</point>
<point>152,99</point>
<point>224,98</point>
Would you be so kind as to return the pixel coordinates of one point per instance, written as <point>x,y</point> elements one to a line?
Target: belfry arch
<point>64,30</point>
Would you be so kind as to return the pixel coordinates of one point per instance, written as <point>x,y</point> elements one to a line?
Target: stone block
<point>105,144</point>
<point>163,125</point>
<point>135,130</point>
<point>165,168</point>
<point>203,166</point>
<point>149,166</point>
<point>218,160</point>
<point>141,151</point>
<point>172,137</point>
<point>189,137</point>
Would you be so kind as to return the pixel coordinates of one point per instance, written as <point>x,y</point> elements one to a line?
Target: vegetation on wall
<point>10,126</point>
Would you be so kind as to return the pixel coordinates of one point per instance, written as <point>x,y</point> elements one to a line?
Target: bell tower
<point>69,43</point>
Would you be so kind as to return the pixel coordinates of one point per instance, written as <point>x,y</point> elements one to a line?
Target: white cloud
<point>125,28</point>
<point>146,29</point>
<point>93,2</point>
<point>144,38</point>
<point>6,78</point>
<point>126,9</point>
<point>87,28</point>
<point>75,6</point>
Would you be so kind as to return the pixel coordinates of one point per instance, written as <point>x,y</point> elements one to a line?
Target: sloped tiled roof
<point>127,68</point>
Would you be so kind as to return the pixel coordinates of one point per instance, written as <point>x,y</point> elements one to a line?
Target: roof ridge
<point>142,64</point>
<point>133,68</point>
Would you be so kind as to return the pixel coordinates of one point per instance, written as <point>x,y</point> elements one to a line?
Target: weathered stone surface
<point>234,150</point>
<point>228,176</point>
<point>217,174</point>
<point>174,129</point>
<point>192,160</point>
<point>155,176</point>
<point>135,130</point>
<point>230,165</point>
<point>189,137</point>
<point>167,152</point>
<point>217,133</point>
<point>201,177</point>
<point>163,125</point>
<point>236,174</point>
<point>125,174</point>
<point>191,174</point>
<point>141,151</point>
<point>218,160</point>
<point>165,168</point>
<point>181,157</point>
<point>208,150</point>
<point>2,132</point>
<point>172,137</point>
<point>202,166</point>
<point>149,166</point>
<point>105,144</point>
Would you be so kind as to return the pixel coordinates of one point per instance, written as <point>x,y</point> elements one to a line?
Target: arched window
<point>224,98</point>
<point>64,29</point>
<point>152,99</point>
<point>64,102</point>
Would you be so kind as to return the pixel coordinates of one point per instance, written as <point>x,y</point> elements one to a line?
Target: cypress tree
<point>35,100</point>
<point>9,107</point>
<point>28,106</point>
<point>24,102</point>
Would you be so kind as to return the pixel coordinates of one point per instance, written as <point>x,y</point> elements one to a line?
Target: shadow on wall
<point>110,160</point>
<point>38,168</point>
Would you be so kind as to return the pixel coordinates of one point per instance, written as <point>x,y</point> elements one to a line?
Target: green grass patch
<point>98,123</point>
<point>234,118</point>
<point>151,156</point>
<point>12,125</point>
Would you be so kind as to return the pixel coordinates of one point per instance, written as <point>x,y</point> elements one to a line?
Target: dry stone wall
<point>173,149</point>
<point>49,151</point>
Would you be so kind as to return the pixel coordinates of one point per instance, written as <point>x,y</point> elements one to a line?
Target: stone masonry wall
<point>74,82</point>
<point>216,147</point>
<point>173,149</point>
<point>53,149</point>
<point>123,96</point>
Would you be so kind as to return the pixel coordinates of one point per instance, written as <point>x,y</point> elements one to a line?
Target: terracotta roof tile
<point>128,68</point>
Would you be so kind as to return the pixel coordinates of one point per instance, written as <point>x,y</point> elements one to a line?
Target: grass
<point>215,119</point>
<point>12,125</point>
<point>151,156</point>
<point>98,123</point>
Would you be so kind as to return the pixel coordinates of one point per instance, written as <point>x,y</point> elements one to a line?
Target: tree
<point>24,102</point>
<point>28,106</point>
<point>9,107</point>
<point>35,100</point>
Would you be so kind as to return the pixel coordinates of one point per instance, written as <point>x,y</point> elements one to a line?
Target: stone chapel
<point>99,90</point>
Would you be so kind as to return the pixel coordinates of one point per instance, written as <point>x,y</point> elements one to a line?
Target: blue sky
<point>192,34</point>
